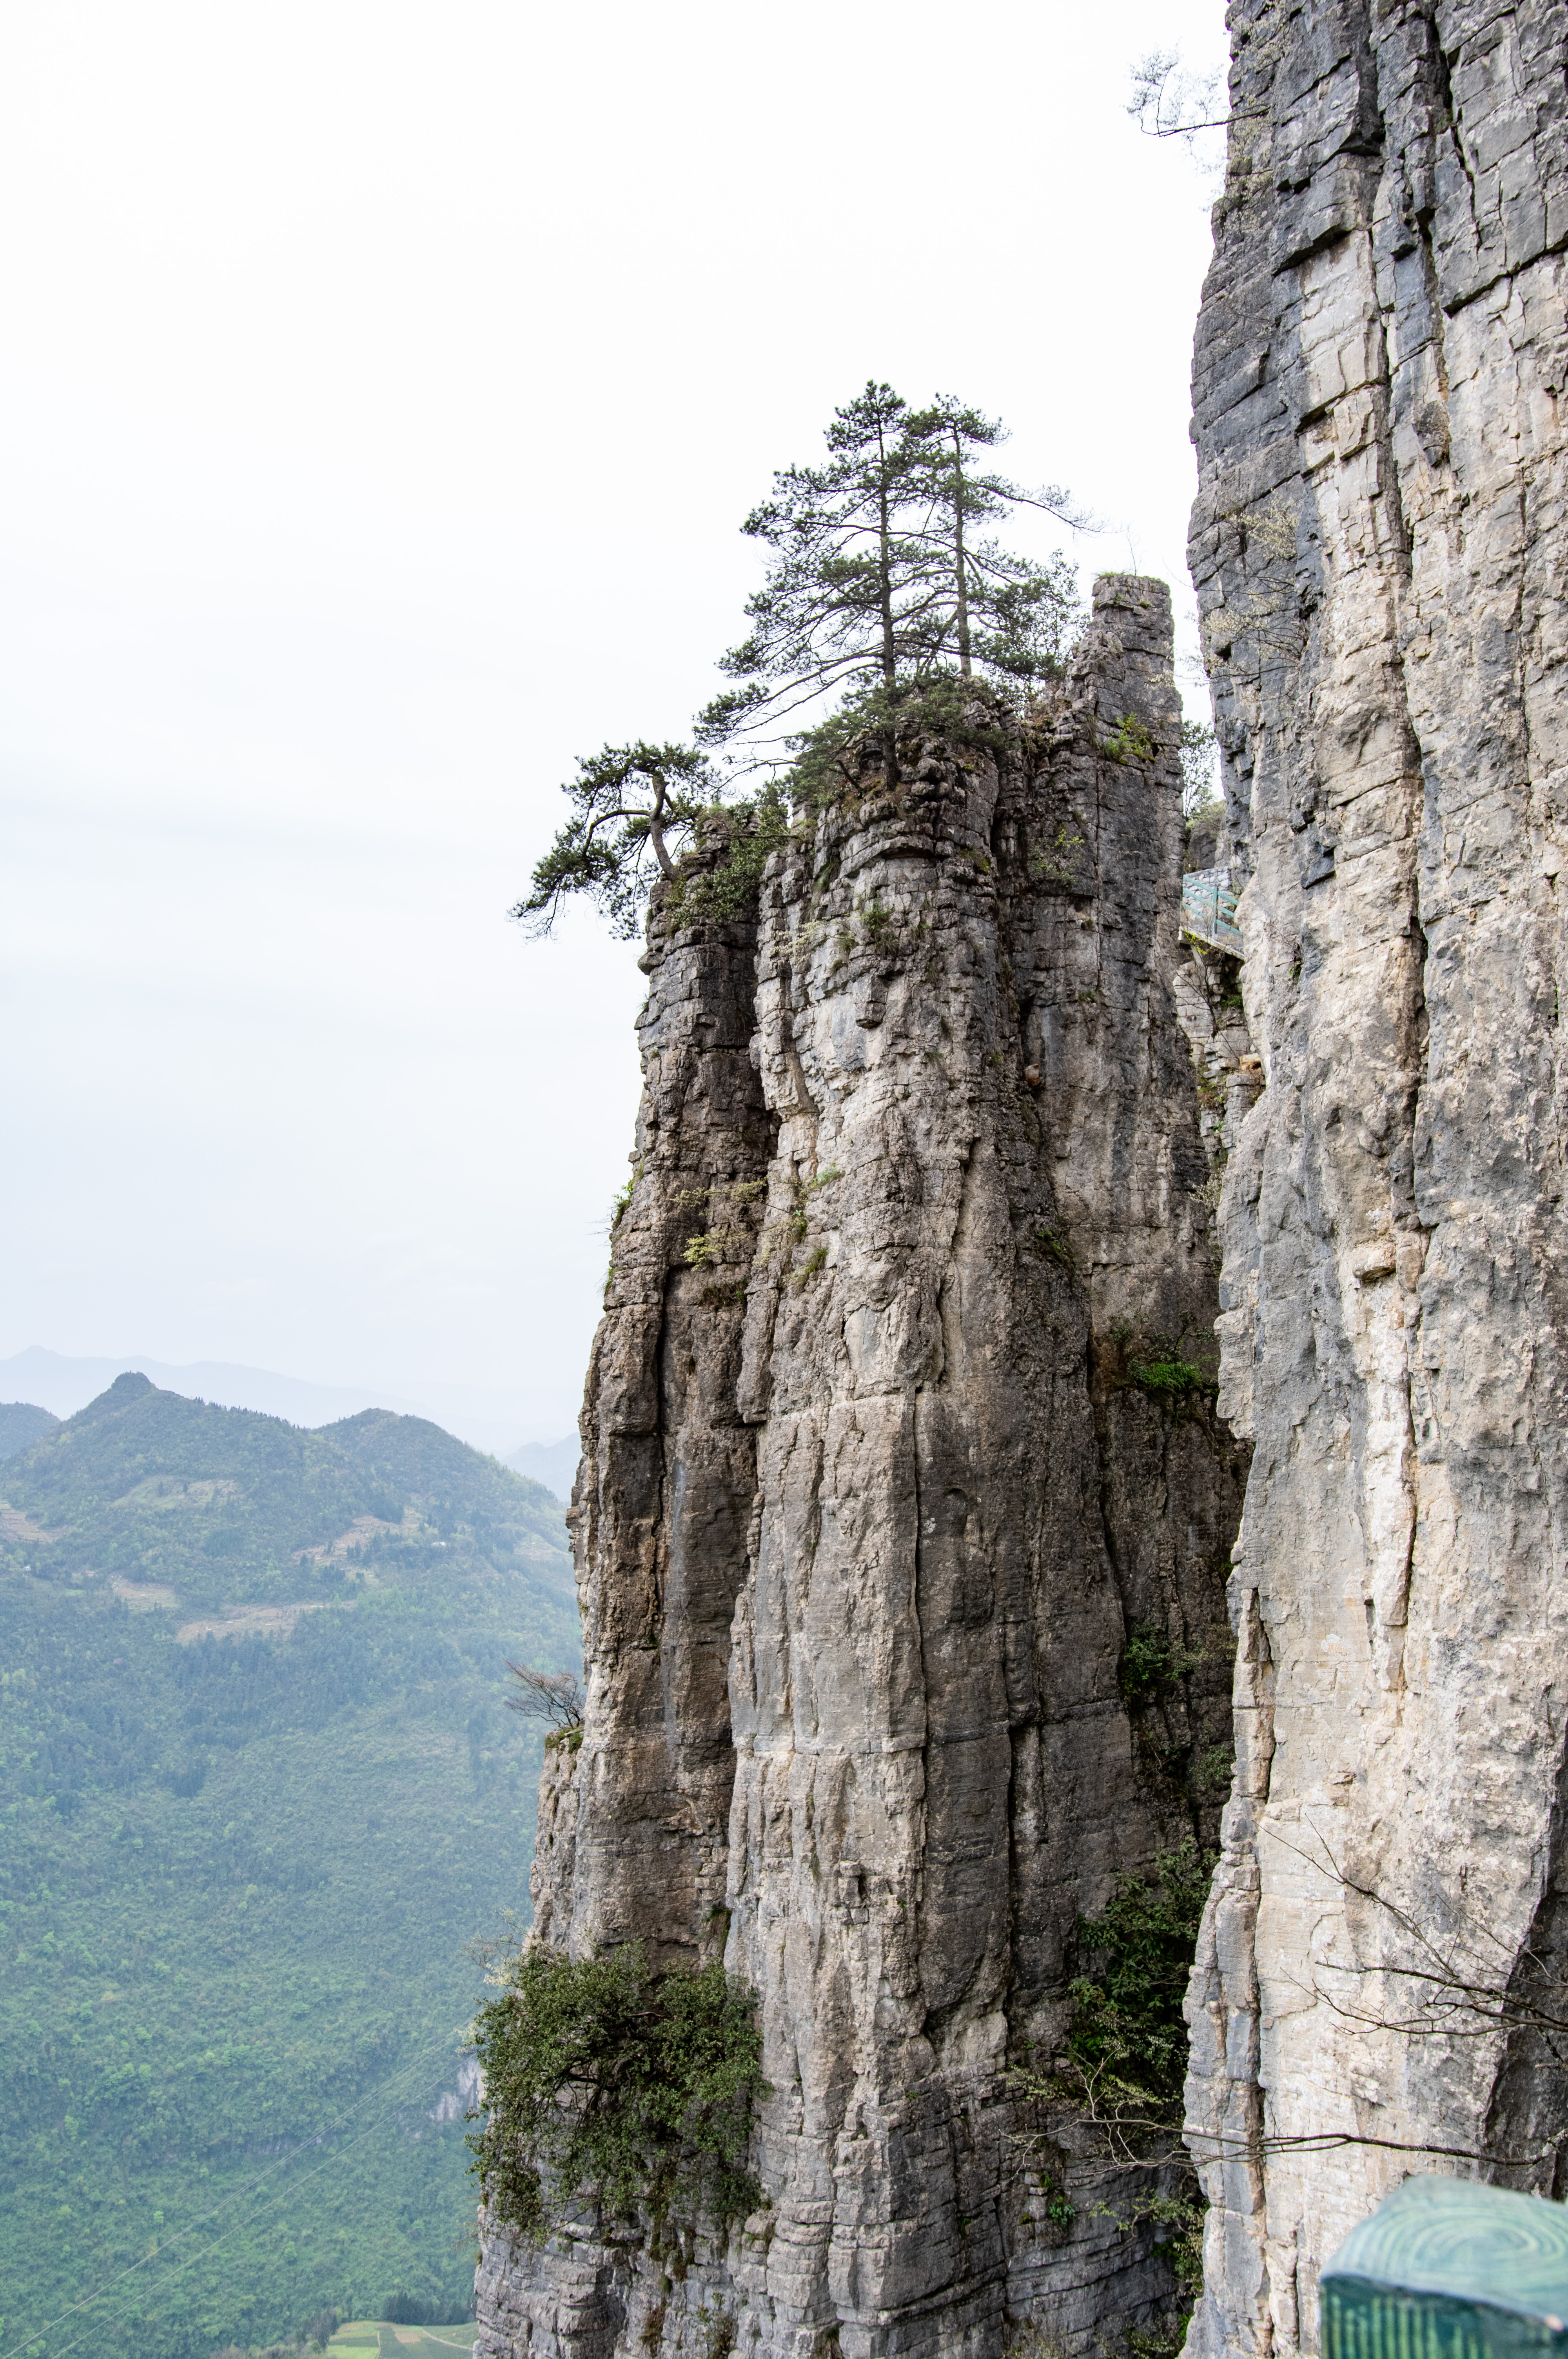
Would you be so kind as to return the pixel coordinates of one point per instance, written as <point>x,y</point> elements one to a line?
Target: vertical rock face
<point>1379,549</point>
<point>872,1503</point>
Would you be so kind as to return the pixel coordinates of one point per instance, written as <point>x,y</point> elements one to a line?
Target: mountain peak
<point>120,1395</point>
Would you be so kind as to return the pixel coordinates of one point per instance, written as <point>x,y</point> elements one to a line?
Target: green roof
<point>1447,2242</point>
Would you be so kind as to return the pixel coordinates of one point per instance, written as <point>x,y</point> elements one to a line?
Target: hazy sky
<point>382,388</point>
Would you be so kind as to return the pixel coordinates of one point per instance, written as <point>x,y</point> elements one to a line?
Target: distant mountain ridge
<point>553,1463</point>
<point>233,1505</point>
<point>486,1416</point>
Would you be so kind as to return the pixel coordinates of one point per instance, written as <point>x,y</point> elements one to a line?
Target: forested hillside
<point>258,1792</point>
<point>22,1424</point>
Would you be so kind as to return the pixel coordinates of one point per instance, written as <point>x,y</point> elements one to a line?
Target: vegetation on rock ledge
<point>606,2081</point>
<point>1170,1377</point>
<point>1129,2037</point>
<point>887,612</point>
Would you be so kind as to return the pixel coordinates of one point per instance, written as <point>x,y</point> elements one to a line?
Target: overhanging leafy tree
<point>606,2081</point>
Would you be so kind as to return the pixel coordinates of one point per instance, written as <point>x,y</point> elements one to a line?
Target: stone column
<point>1379,552</point>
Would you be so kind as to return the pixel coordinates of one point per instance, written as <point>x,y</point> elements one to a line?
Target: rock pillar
<point>1379,549</point>
<point>873,1501</point>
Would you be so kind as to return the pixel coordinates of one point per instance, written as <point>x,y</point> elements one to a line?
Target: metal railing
<point>1208,910</point>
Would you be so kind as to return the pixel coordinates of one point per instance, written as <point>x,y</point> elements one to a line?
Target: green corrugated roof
<point>1473,2243</point>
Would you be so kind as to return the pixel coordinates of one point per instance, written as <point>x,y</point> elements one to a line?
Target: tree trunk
<point>884,564</point>
<point>656,833</point>
<point>963,588</point>
<point>884,575</point>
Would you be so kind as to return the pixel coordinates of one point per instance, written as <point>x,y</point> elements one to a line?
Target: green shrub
<point>604,2080</point>
<point>1057,2205</point>
<point>966,714</point>
<point>1170,1379</point>
<point>1059,863</point>
<point>1127,2025</point>
<point>1149,1660</point>
<point>745,835</point>
<point>1056,1246</point>
<point>1131,742</point>
<point>1124,2061</point>
<point>623,1196</point>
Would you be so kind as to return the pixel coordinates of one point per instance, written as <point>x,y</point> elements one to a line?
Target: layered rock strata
<point>872,1503</point>
<point>1379,549</point>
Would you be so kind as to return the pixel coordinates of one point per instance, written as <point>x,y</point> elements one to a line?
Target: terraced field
<point>374,2339</point>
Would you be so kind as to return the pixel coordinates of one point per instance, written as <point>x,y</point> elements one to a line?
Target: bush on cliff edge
<point>603,2080</point>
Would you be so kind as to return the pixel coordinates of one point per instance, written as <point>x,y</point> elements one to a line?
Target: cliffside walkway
<point>1208,910</point>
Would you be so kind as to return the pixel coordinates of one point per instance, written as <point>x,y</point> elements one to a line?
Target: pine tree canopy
<point>987,607</point>
<point>629,804</point>
<point>877,581</point>
<point>883,589</point>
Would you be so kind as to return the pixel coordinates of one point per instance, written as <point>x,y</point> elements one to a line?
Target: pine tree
<point>628,801</point>
<point>986,607</point>
<point>882,580</point>
<point>883,599</point>
<point>830,616</point>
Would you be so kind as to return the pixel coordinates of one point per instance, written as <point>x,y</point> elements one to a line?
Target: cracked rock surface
<point>1380,551</point>
<point>871,1502</point>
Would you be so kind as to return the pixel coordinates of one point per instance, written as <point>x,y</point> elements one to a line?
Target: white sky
<point>382,388</point>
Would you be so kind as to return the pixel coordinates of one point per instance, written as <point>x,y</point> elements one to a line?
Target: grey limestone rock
<point>868,1510</point>
<point>1380,551</point>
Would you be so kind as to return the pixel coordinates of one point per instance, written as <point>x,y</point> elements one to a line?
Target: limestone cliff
<point>1379,549</point>
<point>870,1503</point>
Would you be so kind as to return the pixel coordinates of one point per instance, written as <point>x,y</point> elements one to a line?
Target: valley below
<point>260,1798</point>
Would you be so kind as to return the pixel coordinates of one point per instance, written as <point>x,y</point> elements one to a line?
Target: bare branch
<point>1450,2001</point>
<point>1169,103</point>
<point>556,1697</point>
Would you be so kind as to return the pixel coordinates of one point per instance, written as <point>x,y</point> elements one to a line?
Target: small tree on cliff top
<point>985,605</point>
<point>879,582</point>
<point>632,808</point>
<point>832,614</point>
<point>882,594</point>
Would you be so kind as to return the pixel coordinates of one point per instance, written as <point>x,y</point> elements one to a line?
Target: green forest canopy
<point>258,1792</point>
